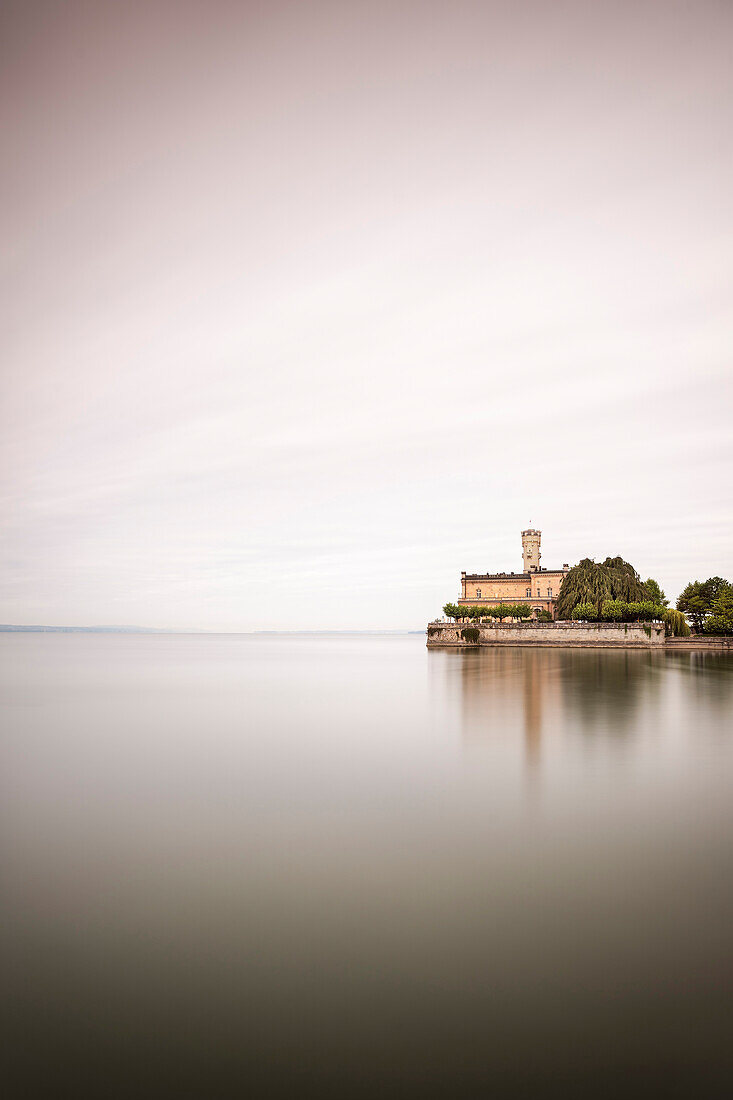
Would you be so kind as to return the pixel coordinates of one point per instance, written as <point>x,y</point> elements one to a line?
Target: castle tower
<point>531,549</point>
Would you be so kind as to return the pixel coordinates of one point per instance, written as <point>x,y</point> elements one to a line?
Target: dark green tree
<point>698,597</point>
<point>720,619</point>
<point>655,592</point>
<point>593,582</point>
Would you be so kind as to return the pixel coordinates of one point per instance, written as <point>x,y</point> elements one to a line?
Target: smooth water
<point>305,865</point>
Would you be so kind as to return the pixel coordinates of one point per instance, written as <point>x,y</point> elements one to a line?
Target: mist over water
<point>259,865</point>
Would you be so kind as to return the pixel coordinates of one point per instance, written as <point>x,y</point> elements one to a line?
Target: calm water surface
<point>313,865</point>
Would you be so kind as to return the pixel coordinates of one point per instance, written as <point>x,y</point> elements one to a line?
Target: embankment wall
<point>589,635</point>
<point>701,642</point>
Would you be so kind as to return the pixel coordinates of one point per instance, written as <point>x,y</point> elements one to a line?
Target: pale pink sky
<point>307,307</point>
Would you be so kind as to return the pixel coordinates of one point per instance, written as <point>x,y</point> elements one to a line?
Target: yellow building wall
<point>539,586</point>
<point>543,589</point>
<point>546,584</point>
<point>496,590</point>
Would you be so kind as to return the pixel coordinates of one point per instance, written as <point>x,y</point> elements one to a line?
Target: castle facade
<point>535,585</point>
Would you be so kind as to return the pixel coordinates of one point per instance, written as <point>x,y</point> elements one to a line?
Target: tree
<point>655,592</point>
<point>720,620</point>
<point>695,605</point>
<point>451,611</point>
<point>697,599</point>
<point>649,611</point>
<point>621,612</point>
<point>675,623</point>
<point>505,611</point>
<point>544,616</point>
<point>585,612</point>
<point>589,582</point>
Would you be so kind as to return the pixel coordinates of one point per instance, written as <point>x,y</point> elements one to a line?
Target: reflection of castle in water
<point>595,692</point>
<point>509,688</point>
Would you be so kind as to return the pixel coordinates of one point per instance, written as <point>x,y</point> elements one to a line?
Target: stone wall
<point>601,635</point>
<point>702,642</point>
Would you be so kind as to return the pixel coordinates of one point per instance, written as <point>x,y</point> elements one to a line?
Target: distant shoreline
<point>10,629</point>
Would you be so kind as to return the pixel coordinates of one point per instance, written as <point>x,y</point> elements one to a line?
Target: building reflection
<point>509,688</point>
<point>591,693</point>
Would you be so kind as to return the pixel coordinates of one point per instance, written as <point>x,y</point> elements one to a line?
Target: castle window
<point>478,593</point>
<point>549,591</point>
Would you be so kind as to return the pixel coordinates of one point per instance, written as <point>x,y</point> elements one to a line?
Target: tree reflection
<point>710,678</point>
<point>603,689</point>
<point>547,695</point>
<point>599,692</point>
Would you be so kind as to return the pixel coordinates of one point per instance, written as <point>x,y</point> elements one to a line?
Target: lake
<point>242,865</point>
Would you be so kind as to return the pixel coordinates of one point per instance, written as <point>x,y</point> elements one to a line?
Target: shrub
<point>544,616</point>
<point>614,611</point>
<point>649,611</point>
<point>471,634</point>
<point>585,612</point>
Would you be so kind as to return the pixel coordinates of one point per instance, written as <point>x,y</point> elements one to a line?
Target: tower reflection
<point>592,694</point>
<point>503,690</point>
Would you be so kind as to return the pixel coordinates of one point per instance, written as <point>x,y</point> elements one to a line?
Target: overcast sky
<point>308,307</point>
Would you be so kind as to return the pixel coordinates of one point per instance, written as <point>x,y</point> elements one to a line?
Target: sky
<point>307,307</point>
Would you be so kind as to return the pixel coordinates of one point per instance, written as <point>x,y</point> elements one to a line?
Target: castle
<point>535,586</point>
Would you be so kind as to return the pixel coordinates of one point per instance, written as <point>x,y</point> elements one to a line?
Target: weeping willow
<point>676,623</point>
<point>593,582</point>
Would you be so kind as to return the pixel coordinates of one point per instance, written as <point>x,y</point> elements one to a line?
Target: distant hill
<point>7,628</point>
